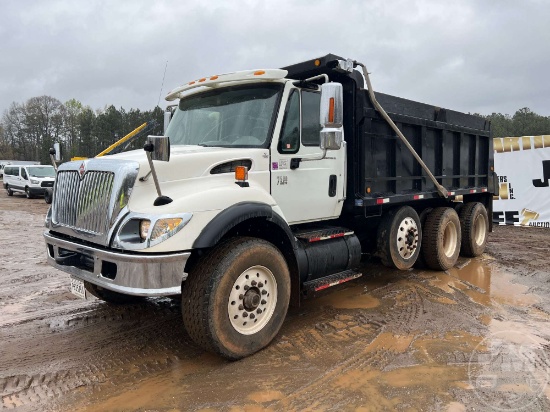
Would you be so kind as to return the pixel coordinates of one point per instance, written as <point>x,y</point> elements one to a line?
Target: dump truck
<point>270,185</point>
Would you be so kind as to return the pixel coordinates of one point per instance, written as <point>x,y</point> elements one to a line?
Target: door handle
<point>332,180</point>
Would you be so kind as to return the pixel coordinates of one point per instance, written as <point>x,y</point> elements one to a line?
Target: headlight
<point>139,231</point>
<point>144,226</point>
<point>35,182</point>
<point>165,227</point>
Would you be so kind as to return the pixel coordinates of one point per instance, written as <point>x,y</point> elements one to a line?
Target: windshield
<point>238,116</point>
<point>41,171</point>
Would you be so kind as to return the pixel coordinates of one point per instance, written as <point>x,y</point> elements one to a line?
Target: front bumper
<point>130,274</point>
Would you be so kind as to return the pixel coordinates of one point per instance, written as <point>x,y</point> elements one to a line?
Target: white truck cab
<point>244,205</point>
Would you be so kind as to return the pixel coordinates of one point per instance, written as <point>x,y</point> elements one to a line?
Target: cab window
<point>311,128</point>
<point>290,134</point>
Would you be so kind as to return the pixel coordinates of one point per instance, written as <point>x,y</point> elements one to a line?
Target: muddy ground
<point>473,338</point>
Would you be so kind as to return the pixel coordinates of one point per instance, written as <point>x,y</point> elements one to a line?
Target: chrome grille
<point>83,204</point>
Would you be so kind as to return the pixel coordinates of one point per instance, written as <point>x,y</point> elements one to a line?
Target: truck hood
<point>196,161</point>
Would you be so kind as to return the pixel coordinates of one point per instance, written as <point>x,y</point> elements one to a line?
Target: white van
<point>29,179</point>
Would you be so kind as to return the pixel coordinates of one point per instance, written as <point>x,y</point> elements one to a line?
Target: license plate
<point>77,288</point>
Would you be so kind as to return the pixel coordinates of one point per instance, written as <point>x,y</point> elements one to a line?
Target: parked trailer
<point>270,184</point>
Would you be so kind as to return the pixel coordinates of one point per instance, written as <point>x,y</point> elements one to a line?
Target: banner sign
<point>523,168</point>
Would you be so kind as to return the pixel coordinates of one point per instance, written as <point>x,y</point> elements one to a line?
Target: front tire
<point>235,300</point>
<point>399,238</point>
<point>442,237</point>
<point>28,193</point>
<point>475,227</point>
<point>10,192</point>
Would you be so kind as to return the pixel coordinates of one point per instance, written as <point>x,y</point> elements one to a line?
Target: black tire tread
<point>467,217</point>
<point>196,291</point>
<point>433,256</point>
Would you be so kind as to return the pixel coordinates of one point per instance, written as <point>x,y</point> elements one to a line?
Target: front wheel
<point>28,193</point>
<point>10,192</point>
<point>235,300</point>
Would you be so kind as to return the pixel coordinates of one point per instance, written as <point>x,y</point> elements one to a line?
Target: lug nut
<point>252,316</point>
<point>263,302</point>
<point>260,285</point>
<point>241,307</point>
<point>253,283</point>
<point>246,287</point>
<point>264,292</point>
<point>241,296</point>
<point>245,314</point>
<point>259,311</point>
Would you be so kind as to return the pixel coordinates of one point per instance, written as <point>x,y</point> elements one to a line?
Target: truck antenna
<point>162,85</point>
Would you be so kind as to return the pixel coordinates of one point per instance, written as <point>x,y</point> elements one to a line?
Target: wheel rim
<point>450,237</point>
<point>480,230</point>
<point>407,238</point>
<point>252,300</point>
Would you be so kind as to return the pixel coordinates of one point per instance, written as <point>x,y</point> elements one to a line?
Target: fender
<point>232,216</point>
<point>240,212</point>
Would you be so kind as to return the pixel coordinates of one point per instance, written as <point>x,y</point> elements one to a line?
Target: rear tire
<point>10,192</point>
<point>113,298</point>
<point>235,300</point>
<point>442,236</point>
<point>421,262</point>
<point>399,238</point>
<point>475,228</point>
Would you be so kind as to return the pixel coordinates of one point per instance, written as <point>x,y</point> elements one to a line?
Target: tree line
<point>29,130</point>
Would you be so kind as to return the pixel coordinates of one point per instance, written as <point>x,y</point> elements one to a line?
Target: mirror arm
<point>52,158</point>
<point>160,200</point>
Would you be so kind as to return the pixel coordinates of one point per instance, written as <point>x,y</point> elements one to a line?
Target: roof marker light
<point>259,72</point>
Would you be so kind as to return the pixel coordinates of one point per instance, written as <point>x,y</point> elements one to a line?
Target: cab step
<point>331,280</point>
<point>316,235</point>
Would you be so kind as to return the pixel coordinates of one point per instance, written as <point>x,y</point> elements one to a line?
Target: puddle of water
<point>484,284</point>
<point>354,297</point>
<point>151,392</point>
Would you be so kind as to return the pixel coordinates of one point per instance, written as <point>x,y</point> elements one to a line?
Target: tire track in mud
<point>125,344</point>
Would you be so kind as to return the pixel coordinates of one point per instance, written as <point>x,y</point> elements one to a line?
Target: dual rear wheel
<point>435,238</point>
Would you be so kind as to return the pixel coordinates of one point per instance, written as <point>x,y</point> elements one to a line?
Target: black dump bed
<point>456,147</point>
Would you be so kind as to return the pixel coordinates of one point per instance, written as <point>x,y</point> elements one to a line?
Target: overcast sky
<point>473,56</point>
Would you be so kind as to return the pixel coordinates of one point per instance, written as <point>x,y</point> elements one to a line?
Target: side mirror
<point>159,146</point>
<point>331,116</point>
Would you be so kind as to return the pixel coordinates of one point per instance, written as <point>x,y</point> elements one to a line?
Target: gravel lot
<point>474,337</point>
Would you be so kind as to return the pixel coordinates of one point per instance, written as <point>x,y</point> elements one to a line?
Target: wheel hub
<point>407,238</point>
<point>252,300</point>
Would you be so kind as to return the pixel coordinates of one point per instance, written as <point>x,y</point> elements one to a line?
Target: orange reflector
<point>259,73</point>
<point>331,110</point>
<point>317,62</point>
<point>191,83</point>
<point>213,77</point>
<point>202,80</point>
<point>241,173</point>
<point>368,189</point>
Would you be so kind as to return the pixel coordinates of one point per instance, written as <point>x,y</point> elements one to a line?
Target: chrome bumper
<point>136,274</point>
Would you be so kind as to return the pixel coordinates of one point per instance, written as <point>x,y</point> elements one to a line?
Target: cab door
<point>305,187</point>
